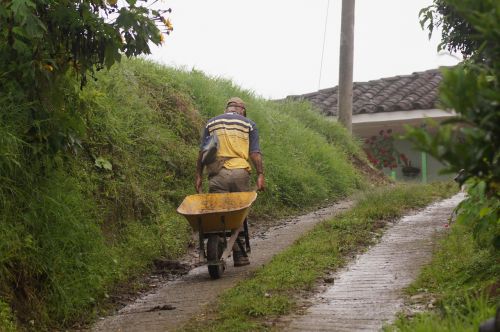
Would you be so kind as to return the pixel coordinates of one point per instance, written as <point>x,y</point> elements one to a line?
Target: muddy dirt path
<point>173,304</point>
<point>368,293</point>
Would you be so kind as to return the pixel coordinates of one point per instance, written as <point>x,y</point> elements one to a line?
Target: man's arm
<point>199,173</point>
<point>256,158</point>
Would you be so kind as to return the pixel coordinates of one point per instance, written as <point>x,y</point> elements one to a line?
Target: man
<point>238,142</point>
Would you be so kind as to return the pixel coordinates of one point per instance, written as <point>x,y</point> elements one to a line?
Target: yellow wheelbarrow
<point>219,218</point>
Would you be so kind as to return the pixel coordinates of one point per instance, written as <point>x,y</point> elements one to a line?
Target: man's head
<point>236,105</point>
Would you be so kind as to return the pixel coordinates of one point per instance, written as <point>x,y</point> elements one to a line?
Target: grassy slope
<point>461,283</point>
<point>101,213</point>
<point>272,290</point>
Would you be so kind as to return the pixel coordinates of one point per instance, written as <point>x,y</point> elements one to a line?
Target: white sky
<point>273,47</point>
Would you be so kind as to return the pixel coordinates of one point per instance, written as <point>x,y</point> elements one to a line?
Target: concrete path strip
<point>177,302</point>
<point>368,293</point>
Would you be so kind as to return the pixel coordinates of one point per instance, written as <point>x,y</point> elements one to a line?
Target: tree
<point>42,41</point>
<point>43,38</point>
<point>469,143</point>
<point>456,31</point>
<point>48,48</point>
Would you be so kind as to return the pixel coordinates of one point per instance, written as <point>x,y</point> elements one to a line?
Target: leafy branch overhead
<point>455,29</point>
<point>43,38</point>
<point>469,143</point>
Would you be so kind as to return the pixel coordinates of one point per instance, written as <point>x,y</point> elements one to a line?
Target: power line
<point>324,41</point>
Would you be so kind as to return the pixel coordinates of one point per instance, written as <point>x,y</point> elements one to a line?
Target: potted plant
<point>408,170</point>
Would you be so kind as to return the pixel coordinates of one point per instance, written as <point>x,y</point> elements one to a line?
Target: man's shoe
<point>239,259</point>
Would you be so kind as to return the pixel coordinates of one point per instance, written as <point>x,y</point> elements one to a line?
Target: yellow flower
<point>48,67</point>
<point>162,38</point>
<point>168,24</point>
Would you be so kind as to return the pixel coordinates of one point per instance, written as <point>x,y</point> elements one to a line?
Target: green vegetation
<point>271,291</point>
<point>89,186</point>
<point>461,282</point>
<point>41,40</point>
<point>56,258</point>
<point>463,277</point>
<point>468,144</point>
<point>323,126</point>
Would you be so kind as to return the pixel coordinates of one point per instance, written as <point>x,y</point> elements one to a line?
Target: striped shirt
<point>238,137</point>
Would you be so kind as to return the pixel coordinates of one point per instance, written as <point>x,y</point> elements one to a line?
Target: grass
<point>271,291</point>
<point>461,282</point>
<point>88,195</point>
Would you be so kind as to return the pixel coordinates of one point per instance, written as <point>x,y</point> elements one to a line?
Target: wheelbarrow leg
<point>201,237</point>
<point>229,248</point>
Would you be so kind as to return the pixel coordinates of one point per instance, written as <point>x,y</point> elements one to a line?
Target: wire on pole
<point>324,41</point>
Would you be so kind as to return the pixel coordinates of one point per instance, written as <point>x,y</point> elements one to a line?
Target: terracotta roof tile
<point>399,93</point>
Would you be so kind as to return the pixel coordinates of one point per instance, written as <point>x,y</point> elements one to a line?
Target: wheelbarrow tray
<point>217,212</point>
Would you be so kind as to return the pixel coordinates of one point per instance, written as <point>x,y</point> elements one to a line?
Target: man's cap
<point>235,101</point>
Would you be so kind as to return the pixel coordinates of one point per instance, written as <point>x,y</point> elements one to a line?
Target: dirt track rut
<point>176,302</point>
<point>368,292</point>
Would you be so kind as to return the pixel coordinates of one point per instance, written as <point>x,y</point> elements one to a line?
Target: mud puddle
<point>176,302</point>
<point>369,292</point>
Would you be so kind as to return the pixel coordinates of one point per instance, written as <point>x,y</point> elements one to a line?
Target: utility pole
<point>345,64</point>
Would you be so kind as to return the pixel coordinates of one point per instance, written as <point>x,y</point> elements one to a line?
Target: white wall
<point>367,125</point>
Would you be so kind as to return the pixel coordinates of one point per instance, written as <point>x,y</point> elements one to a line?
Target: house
<point>383,107</point>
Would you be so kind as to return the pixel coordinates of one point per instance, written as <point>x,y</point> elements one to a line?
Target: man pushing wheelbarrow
<point>229,142</point>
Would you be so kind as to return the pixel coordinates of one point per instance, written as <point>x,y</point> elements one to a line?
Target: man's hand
<point>257,162</point>
<point>198,183</point>
<point>261,183</point>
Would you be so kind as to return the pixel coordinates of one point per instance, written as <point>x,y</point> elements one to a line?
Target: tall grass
<point>305,161</point>
<point>326,127</point>
<point>77,220</point>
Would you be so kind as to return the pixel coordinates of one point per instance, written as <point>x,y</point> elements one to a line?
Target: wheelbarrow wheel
<point>215,248</point>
